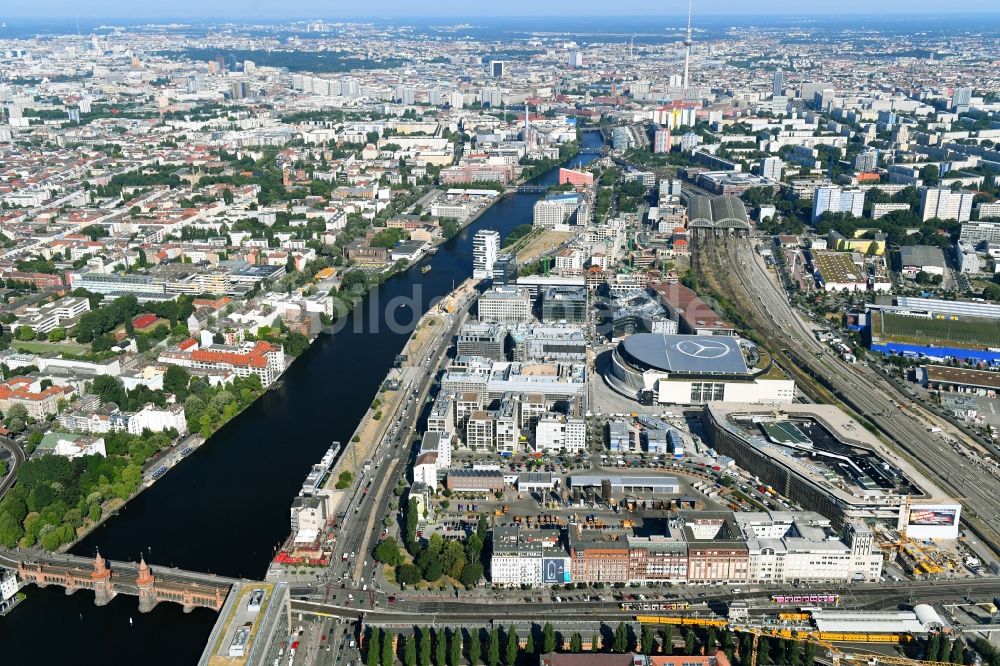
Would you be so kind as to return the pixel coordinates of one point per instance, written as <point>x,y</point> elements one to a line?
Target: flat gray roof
<point>687,354</point>
<point>921,255</point>
<point>625,481</point>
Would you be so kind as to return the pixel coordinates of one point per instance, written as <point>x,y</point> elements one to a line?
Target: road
<point>702,599</point>
<point>17,457</point>
<point>351,578</point>
<point>870,395</point>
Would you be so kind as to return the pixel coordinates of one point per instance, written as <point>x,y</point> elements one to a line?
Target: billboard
<point>933,516</point>
<point>555,571</point>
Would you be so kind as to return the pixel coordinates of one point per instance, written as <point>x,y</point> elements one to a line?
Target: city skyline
<point>268,9</point>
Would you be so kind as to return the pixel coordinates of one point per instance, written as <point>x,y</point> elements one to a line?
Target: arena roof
<point>687,354</point>
<point>724,212</point>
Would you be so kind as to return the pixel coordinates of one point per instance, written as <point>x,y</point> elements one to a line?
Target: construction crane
<point>906,521</point>
<point>874,659</point>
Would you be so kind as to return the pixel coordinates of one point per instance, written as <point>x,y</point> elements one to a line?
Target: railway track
<point>728,266</point>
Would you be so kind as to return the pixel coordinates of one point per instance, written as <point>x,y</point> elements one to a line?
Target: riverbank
<point>225,510</point>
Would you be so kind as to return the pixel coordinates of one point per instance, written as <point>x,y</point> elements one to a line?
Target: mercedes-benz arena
<point>691,370</point>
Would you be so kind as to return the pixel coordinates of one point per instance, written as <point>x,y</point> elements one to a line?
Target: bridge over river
<point>190,589</point>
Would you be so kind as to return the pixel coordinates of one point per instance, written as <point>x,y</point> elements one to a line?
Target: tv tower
<point>687,48</point>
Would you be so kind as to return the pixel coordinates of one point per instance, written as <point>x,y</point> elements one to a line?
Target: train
<point>805,599</point>
<point>654,605</point>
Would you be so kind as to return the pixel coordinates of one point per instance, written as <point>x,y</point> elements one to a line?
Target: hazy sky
<point>278,9</point>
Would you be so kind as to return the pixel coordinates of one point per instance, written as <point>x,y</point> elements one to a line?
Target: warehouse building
<point>915,259</point>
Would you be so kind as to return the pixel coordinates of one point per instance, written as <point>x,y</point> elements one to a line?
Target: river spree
<point>224,509</point>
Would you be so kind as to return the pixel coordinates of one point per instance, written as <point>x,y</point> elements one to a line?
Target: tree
<point>668,639</point>
<point>595,643</point>
<point>958,652</point>
<point>933,648</point>
<point>512,645</point>
<point>410,651</point>
<point>471,574</point>
<point>227,196</point>
<point>810,657</point>
<point>176,380</point>
<point>529,643</point>
<point>10,530</point>
<point>411,524</point>
<point>548,638</point>
<point>25,333</point>
<point>621,639</point>
<point>16,418</point>
<point>425,646</point>
<point>689,642</point>
<point>108,389</point>
<point>440,647</point>
<point>930,174</point>
<point>646,640</point>
<point>407,574</point>
<point>57,335</point>
<point>455,648</point>
<point>433,572</point>
<point>387,552</point>
<point>386,655</point>
<point>374,647</point>
<point>576,642</point>
<point>475,647</point>
<point>493,649</point>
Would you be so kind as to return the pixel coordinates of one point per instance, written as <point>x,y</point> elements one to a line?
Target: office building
<point>497,68</point>
<point>778,83</point>
<point>564,304</point>
<point>943,204</point>
<point>548,343</point>
<point>486,340</point>
<point>485,249</point>
<point>505,305</point>
<point>505,270</point>
<point>524,556</point>
<point>557,432</point>
<point>575,59</point>
<point>837,200</point>
<point>770,168</point>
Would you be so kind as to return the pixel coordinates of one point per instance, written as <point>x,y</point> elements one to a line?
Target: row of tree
<point>452,647</point>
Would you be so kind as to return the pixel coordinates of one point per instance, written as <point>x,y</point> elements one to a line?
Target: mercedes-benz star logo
<point>702,349</point>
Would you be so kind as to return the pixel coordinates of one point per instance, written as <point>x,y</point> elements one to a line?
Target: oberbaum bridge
<point>187,588</point>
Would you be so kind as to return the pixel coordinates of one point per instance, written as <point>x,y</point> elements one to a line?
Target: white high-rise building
<point>485,250</point>
<point>838,200</point>
<point>576,59</point>
<point>960,99</point>
<point>661,140</point>
<point>942,203</point>
<point>770,167</point>
<point>866,162</point>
